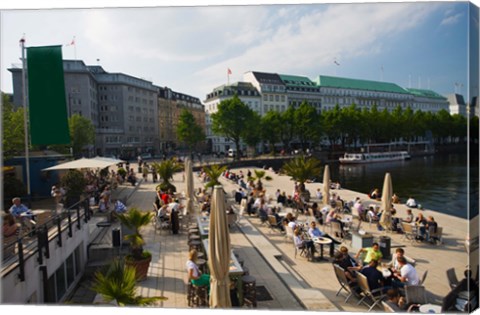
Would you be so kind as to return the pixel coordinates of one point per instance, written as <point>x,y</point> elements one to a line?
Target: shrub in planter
<point>74,183</point>
<point>166,169</point>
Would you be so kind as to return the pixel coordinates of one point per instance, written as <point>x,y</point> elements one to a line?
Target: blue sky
<point>189,49</point>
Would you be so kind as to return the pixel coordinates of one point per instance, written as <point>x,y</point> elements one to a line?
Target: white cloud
<point>190,48</point>
<point>451,19</point>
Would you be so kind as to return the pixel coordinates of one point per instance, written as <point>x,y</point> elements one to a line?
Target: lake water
<point>436,182</point>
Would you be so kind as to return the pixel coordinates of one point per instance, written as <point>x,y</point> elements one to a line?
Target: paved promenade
<point>293,283</point>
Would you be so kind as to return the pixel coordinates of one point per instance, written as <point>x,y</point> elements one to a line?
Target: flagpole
<point>25,117</point>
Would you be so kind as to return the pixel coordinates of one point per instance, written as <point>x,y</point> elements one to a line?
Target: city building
<point>277,92</point>
<point>247,93</point>
<point>457,104</point>
<point>170,106</point>
<point>122,108</point>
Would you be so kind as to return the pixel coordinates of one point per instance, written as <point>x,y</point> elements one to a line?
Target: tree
<point>188,130</point>
<point>259,175</point>
<point>307,124</point>
<point>82,133</point>
<point>331,125</point>
<point>253,130</point>
<point>231,120</point>
<point>271,126</point>
<point>13,131</point>
<point>213,173</point>
<point>287,131</point>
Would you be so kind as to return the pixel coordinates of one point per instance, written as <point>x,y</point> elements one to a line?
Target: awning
<point>81,163</point>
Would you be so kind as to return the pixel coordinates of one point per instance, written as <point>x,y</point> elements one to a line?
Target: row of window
<point>271,97</point>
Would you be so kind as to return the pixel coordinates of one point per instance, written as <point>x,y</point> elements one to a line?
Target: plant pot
<point>141,266</point>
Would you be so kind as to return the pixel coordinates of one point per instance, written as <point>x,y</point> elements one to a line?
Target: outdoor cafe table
<point>203,226</point>
<point>322,241</point>
<point>430,308</point>
<point>235,267</point>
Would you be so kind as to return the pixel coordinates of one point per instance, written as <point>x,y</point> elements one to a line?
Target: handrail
<point>27,246</point>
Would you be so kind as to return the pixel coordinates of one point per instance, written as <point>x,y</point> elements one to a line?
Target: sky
<point>190,48</point>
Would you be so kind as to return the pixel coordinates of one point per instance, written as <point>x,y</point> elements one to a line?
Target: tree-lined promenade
<point>350,125</point>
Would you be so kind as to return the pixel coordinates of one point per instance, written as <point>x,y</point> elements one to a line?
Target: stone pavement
<point>293,283</point>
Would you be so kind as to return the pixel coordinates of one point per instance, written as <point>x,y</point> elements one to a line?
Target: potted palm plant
<point>302,169</point>
<point>259,175</point>
<point>213,173</point>
<point>166,169</point>
<point>117,283</point>
<point>134,220</point>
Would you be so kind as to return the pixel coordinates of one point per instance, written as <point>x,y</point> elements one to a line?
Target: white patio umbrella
<point>190,188</point>
<point>219,252</point>
<point>326,185</point>
<point>80,163</point>
<point>386,204</point>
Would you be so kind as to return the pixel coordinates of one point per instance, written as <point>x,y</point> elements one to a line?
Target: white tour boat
<point>355,158</point>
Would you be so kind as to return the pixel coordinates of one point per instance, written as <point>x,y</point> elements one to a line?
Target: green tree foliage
<point>13,129</point>
<point>332,125</point>
<point>188,130</point>
<point>307,124</point>
<point>287,132</point>
<point>271,126</point>
<point>231,120</point>
<point>213,173</point>
<point>82,133</point>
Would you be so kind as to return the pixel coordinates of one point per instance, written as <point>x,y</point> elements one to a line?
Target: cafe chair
<point>343,281</point>
<point>452,278</point>
<point>408,232</point>
<point>272,222</point>
<point>387,308</point>
<point>436,236</point>
<point>375,296</point>
<point>288,233</point>
<point>415,294</point>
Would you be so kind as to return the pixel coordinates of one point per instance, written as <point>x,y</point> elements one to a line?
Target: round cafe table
<point>322,241</point>
<point>430,308</point>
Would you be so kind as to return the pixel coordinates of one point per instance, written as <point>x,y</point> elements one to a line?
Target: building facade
<point>121,108</point>
<point>247,93</point>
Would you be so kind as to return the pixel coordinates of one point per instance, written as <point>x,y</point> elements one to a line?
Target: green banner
<point>46,96</point>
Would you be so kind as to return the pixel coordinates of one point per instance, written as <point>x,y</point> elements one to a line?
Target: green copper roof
<point>336,82</point>
<point>425,93</point>
<point>299,81</point>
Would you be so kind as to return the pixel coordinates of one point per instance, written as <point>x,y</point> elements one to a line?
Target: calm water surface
<point>436,182</point>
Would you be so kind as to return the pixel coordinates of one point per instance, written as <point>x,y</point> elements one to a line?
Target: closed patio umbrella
<point>326,185</point>
<point>387,192</point>
<point>189,178</point>
<point>219,252</point>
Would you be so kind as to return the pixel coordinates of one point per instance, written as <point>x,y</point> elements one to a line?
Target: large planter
<point>141,266</point>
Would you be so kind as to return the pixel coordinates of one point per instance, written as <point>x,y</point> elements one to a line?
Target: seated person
<point>372,253</point>
<point>282,198</point>
<point>300,242</point>
<point>411,203</point>
<point>398,302</point>
<point>278,218</point>
<point>344,260</point>
<point>407,275</point>
<point>315,232</point>
<point>119,207</point>
<point>22,213</point>
<point>195,276</point>
<point>399,252</point>
<point>372,214</point>
<point>409,217</point>
<point>375,194</point>
<point>9,227</point>
<point>421,223</point>
<point>395,199</point>
<point>374,276</point>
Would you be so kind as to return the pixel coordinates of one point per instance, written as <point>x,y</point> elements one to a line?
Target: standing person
<point>154,175</point>
<point>145,171</point>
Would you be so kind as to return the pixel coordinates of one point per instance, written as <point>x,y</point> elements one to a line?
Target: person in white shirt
<point>407,275</point>
<point>411,203</point>
<point>195,276</point>
<point>319,194</point>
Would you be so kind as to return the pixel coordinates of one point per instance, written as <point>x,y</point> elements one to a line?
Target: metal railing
<point>36,241</point>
